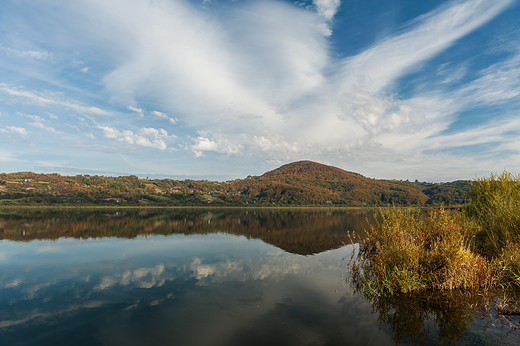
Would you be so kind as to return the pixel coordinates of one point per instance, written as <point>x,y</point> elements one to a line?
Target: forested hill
<point>298,183</point>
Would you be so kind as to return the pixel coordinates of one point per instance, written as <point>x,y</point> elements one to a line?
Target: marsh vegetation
<point>475,247</point>
<point>445,267</point>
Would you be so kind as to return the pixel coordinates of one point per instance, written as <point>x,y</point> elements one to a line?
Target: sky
<point>223,89</point>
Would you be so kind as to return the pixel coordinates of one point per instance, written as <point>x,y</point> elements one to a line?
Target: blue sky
<point>221,89</point>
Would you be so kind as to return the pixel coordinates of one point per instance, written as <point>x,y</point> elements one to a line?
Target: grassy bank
<point>476,247</point>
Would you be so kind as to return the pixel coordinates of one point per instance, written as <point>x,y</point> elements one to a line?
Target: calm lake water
<point>209,277</point>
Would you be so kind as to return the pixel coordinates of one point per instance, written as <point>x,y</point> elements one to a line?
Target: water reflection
<point>214,289</point>
<point>450,317</point>
<point>230,277</point>
<point>298,231</point>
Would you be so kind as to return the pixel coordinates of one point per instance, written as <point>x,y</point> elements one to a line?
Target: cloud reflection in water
<point>198,280</point>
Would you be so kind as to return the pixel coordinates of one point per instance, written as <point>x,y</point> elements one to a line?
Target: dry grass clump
<point>479,248</point>
<point>496,208</point>
<point>406,251</point>
<point>509,264</point>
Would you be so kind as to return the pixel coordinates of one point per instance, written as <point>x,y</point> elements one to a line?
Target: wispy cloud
<point>422,39</point>
<point>165,116</point>
<point>14,129</point>
<point>38,122</point>
<point>134,109</point>
<point>496,84</point>
<point>26,53</point>
<point>19,93</point>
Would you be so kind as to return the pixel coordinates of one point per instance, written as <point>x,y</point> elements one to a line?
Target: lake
<point>212,277</point>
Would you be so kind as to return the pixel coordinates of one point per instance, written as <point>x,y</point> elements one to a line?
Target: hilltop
<point>332,185</point>
<point>297,183</point>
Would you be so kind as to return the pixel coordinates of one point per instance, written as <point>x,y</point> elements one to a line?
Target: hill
<point>298,183</point>
<point>307,182</point>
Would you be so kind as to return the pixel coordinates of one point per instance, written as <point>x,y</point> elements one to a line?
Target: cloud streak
<point>20,94</point>
<point>421,40</point>
<point>13,129</point>
<point>27,53</point>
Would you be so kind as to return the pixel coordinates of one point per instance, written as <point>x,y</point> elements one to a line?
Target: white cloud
<point>146,137</point>
<point>38,123</point>
<point>14,129</point>
<point>25,94</point>
<point>275,144</point>
<point>271,57</point>
<point>43,127</point>
<point>165,116</point>
<point>155,133</point>
<point>34,117</point>
<point>426,37</point>
<point>266,81</point>
<point>83,109</point>
<point>497,132</point>
<point>27,53</point>
<point>134,109</point>
<point>160,114</point>
<point>451,75</point>
<point>327,8</point>
<point>498,83</point>
<point>198,65</point>
<point>217,143</point>
<point>84,69</point>
<point>379,113</point>
<point>46,101</point>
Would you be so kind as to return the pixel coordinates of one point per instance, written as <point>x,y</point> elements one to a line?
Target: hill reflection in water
<point>217,277</point>
<point>301,232</point>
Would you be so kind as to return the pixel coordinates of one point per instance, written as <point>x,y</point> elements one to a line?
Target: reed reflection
<point>449,317</point>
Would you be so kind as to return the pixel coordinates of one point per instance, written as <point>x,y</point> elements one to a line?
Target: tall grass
<point>479,248</point>
<point>496,208</point>
<point>407,252</point>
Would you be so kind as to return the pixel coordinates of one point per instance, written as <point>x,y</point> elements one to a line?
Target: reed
<point>479,247</point>
<point>406,251</point>
<point>496,208</point>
